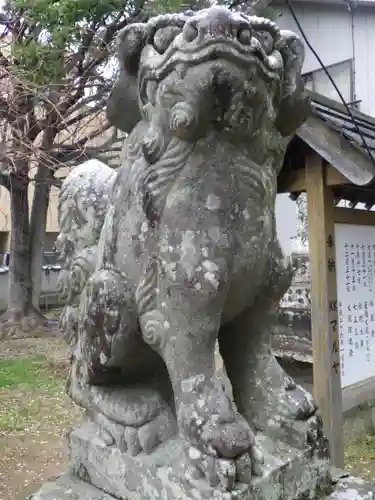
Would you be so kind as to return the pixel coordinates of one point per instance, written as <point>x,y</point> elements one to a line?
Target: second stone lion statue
<point>178,249</point>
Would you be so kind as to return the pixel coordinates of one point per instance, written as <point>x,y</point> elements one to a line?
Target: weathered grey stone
<point>178,250</point>
<point>68,487</point>
<point>351,488</point>
<point>83,201</point>
<point>290,474</point>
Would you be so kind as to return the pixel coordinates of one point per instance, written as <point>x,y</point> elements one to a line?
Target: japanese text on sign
<point>355,274</point>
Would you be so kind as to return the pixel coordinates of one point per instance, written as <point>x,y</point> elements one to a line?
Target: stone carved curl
<point>83,202</point>
<point>162,30</point>
<point>188,245</point>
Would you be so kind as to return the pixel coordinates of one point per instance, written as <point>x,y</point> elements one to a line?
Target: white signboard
<point>355,274</point>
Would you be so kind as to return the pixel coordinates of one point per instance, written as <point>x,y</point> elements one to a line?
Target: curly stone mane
<point>184,250</point>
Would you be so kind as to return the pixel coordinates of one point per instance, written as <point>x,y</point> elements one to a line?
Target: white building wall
<point>364,43</point>
<point>338,36</point>
<point>328,29</point>
<point>341,73</point>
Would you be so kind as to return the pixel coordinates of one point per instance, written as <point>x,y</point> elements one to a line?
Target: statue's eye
<point>266,39</point>
<point>164,37</point>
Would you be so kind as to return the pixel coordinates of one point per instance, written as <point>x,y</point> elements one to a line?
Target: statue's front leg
<point>183,329</point>
<point>118,379</point>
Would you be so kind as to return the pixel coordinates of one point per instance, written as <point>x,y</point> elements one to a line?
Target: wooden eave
<point>330,133</point>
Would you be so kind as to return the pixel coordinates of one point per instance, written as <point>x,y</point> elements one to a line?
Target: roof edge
<point>350,161</point>
<point>338,106</point>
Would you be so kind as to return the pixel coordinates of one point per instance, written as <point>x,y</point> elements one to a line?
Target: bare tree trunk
<point>38,225</point>
<point>21,318</point>
<point>20,297</point>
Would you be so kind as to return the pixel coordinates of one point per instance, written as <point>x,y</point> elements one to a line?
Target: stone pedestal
<point>68,487</point>
<point>101,472</point>
<point>289,475</point>
<point>347,487</point>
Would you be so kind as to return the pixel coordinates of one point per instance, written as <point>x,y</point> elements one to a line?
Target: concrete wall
<point>86,127</point>
<point>52,225</point>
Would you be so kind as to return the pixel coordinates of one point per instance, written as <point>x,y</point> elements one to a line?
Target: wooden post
<point>324,319</point>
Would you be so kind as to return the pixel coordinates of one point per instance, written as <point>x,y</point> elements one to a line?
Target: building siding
<point>337,35</point>
<point>328,29</point>
<point>364,43</point>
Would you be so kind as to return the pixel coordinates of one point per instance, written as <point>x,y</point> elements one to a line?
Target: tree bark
<point>22,318</point>
<point>38,226</point>
<point>20,295</point>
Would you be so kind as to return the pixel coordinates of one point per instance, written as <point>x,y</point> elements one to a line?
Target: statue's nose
<point>217,22</point>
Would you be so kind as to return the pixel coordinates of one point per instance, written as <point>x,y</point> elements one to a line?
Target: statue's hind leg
<point>122,384</point>
<point>263,392</point>
<point>267,397</point>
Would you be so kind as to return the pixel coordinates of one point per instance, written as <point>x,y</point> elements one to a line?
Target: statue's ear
<point>122,107</point>
<point>295,106</point>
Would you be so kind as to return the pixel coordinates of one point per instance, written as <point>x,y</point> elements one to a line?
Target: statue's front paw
<point>224,472</point>
<point>136,439</point>
<point>221,443</point>
<point>296,402</point>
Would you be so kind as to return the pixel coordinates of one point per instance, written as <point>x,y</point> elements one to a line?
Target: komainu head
<point>83,203</point>
<point>209,70</point>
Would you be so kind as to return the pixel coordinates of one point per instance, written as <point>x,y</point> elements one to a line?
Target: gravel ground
<point>52,349</point>
<point>35,415</point>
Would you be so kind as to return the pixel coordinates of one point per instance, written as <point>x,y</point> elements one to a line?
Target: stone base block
<point>289,473</point>
<point>351,488</point>
<point>68,487</point>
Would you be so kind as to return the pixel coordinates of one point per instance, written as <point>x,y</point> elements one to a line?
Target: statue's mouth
<point>181,56</point>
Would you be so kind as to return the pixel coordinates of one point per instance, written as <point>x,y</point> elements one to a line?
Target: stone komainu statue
<point>178,249</point>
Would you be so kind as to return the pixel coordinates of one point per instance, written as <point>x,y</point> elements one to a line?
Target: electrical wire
<point>332,82</point>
